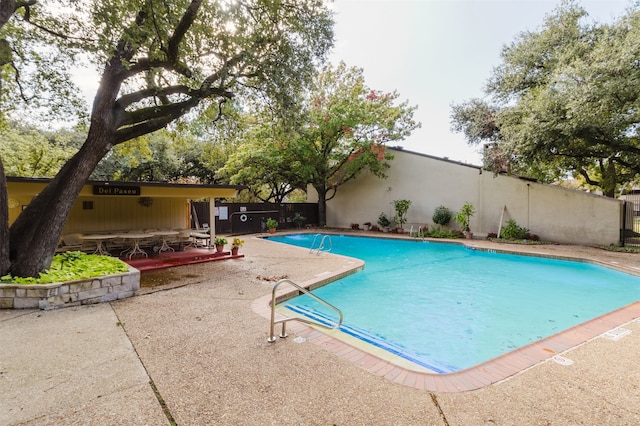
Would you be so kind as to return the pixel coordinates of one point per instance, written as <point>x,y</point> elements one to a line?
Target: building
<point>120,206</point>
<point>554,213</point>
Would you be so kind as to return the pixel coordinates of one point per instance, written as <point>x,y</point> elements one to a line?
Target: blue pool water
<point>448,307</point>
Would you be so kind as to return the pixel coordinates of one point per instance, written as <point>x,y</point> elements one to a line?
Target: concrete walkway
<point>198,343</point>
<point>72,366</point>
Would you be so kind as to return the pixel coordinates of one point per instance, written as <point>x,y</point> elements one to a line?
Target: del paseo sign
<point>115,190</point>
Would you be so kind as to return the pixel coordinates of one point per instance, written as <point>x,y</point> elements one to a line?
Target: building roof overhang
<point>32,186</point>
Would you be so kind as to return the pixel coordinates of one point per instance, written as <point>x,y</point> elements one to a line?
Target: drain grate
<point>616,333</point>
<point>562,360</point>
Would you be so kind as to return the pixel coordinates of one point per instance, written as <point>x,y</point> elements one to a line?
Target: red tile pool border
<point>487,373</point>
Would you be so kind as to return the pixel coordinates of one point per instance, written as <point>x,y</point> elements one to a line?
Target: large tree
<point>345,128</point>
<point>339,130</point>
<point>564,100</point>
<point>267,159</point>
<point>34,70</point>
<point>32,152</point>
<point>165,61</point>
<point>190,152</point>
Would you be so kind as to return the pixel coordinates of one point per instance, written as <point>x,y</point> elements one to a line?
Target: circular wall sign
<point>13,203</point>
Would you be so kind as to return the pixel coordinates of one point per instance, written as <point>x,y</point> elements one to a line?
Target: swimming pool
<point>447,307</point>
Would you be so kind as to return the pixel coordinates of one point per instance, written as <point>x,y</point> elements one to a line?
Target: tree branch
<point>125,100</point>
<point>175,109</point>
<point>585,174</point>
<point>147,120</point>
<point>146,64</point>
<point>182,28</point>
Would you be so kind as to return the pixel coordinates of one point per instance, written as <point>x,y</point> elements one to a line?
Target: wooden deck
<point>178,258</point>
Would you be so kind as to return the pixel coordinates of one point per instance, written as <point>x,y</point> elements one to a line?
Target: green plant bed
<point>73,265</point>
<point>440,233</point>
<point>625,249</point>
<point>518,241</point>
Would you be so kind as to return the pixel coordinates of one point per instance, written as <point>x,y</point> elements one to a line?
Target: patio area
<point>198,345</point>
<point>170,259</point>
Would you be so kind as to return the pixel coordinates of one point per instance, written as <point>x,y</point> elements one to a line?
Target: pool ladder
<point>283,321</point>
<point>321,247</point>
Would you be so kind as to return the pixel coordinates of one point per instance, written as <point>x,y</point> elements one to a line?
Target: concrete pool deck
<point>197,343</point>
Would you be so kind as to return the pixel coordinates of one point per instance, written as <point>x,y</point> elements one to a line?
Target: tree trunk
<point>36,233</point>
<point>609,179</point>
<point>7,9</point>
<point>322,204</point>
<point>5,261</point>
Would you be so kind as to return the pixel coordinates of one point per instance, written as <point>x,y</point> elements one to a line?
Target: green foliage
<point>513,231</point>
<point>476,119</point>
<point>162,156</point>
<point>563,101</point>
<point>298,220</point>
<point>344,127</point>
<point>30,152</point>
<point>339,131</point>
<point>73,265</point>
<point>161,62</point>
<point>441,215</point>
<point>401,207</point>
<point>220,241</point>
<point>626,249</point>
<point>464,215</point>
<point>383,220</point>
<point>37,85</point>
<point>439,233</point>
<point>267,159</point>
<point>272,223</point>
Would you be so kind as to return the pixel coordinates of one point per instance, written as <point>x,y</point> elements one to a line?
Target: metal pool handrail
<point>283,334</point>
<point>321,246</point>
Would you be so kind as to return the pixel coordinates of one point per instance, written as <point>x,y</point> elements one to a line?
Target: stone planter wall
<point>71,293</point>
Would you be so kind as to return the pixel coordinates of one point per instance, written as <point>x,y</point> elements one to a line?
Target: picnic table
<point>165,234</point>
<point>99,240</point>
<point>134,239</point>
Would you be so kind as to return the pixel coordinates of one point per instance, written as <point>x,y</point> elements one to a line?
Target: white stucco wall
<point>554,213</point>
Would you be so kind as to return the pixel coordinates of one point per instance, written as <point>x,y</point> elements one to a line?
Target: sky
<point>436,53</point>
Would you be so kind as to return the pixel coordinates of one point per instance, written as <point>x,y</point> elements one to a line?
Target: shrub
<point>298,220</point>
<point>73,265</point>
<point>513,231</point>
<point>401,207</point>
<point>439,233</point>
<point>383,220</point>
<point>271,223</point>
<point>441,215</point>
<point>464,215</point>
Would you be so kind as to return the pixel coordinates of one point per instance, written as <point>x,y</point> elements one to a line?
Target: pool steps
<point>375,340</point>
<point>283,321</point>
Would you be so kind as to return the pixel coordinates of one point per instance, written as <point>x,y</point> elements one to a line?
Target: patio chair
<point>201,237</point>
<point>185,239</point>
<point>70,242</point>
